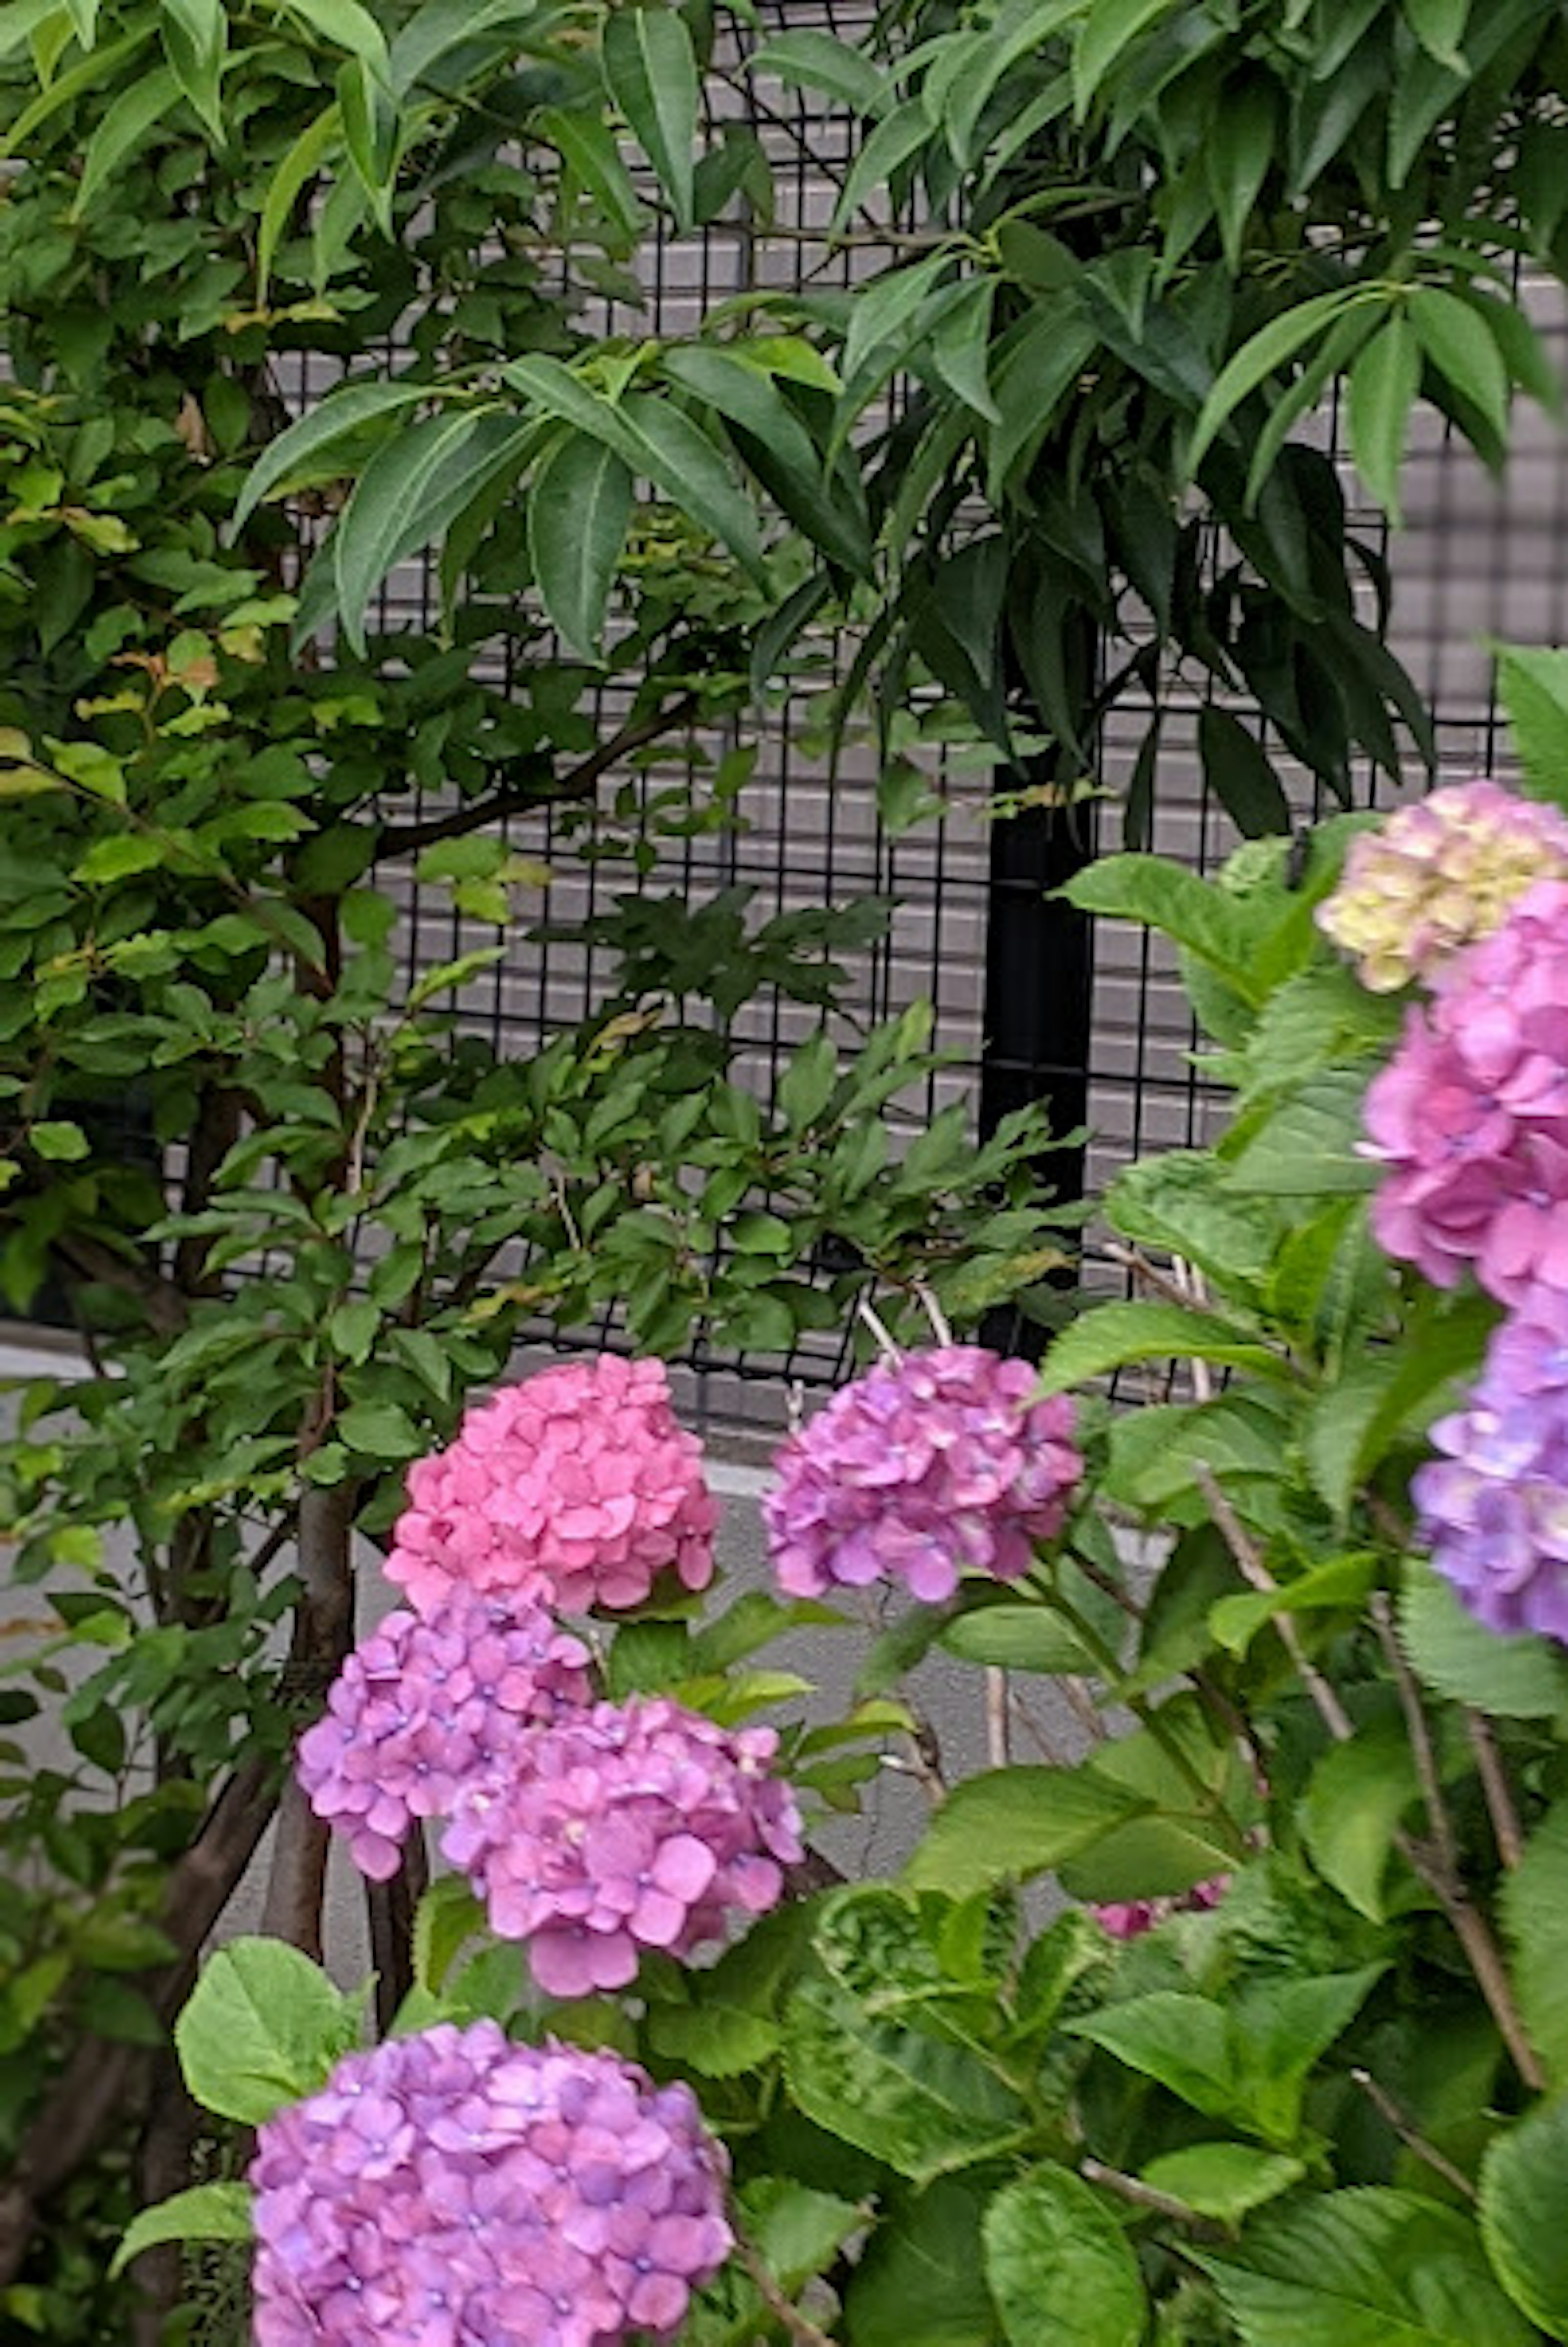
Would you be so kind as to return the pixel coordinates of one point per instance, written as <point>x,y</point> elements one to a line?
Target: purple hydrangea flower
<point>453,2190</point>
<point>1470,1115</point>
<point>922,1468</point>
<point>625,1827</point>
<point>423,1707</point>
<point>1436,876</point>
<point>1493,1509</point>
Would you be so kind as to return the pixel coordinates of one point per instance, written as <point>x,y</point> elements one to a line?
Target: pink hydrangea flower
<point>424,1706</point>
<point>1471,1114</point>
<point>577,1488</point>
<point>1130,1919</point>
<point>453,2190</point>
<point>923,1467</point>
<point>1437,876</point>
<point>624,1828</point>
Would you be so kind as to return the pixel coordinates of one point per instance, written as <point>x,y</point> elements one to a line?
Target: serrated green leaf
<point>1525,2214</point>
<point>1534,1902</point>
<point>263,2027</point>
<point>1224,2180</point>
<point>1112,1335</point>
<point>1451,1653</point>
<point>1059,2265</point>
<point>1011,1823</point>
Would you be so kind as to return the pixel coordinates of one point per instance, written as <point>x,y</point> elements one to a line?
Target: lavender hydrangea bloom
<point>453,2190</point>
<point>1436,876</point>
<point>625,1828</point>
<point>1470,1115</point>
<point>921,1467</point>
<point>423,1707</point>
<point>1493,1509</point>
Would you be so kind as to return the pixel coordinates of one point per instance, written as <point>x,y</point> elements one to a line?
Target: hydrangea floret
<point>928,1466</point>
<point>1471,1114</point>
<point>1129,1919</point>
<point>577,1486</point>
<point>426,1706</point>
<point>452,2187</point>
<point>626,1829</point>
<point>1437,876</point>
<point>1493,1507</point>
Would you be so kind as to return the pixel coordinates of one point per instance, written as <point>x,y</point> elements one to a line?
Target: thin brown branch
<point>1255,1573</point>
<point>1148,1275</point>
<point>1429,2155</point>
<point>579,782</point>
<point>389,1910</point>
<point>1445,1842</point>
<point>86,1258</point>
<point>323,1633</point>
<point>1500,1807</point>
<point>1139,2194</point>
<point>772,2291</point>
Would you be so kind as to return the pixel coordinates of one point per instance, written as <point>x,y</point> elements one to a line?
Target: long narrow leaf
<point>650,72</point>
<point>122,130</point>
<point>1269,349</point>
<point>302,452</point>
<point>577,516</point>
<point>413,488</point>
<point>294,175</point>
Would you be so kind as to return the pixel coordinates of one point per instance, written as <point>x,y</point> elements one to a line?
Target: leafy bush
<point>1291,2061</point>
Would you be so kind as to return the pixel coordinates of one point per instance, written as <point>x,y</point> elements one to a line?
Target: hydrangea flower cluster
<point>628,1828</point>
<point>1439,876</point>
<point>922,1468</point>
<point>1130,1919</point>
<point>1470,1115</point>
<point>1493,1508</point>
<point>452,2188</point>
<point>577,1488</point>
<point>424,1706</point>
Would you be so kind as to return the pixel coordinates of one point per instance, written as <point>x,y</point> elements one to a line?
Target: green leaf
<point>716,2041</point>
<point>1011,1823</point>
<point>1359,1794</point>
<point>370,133</point>
<point>1179,2039</point>
<point>263,2026</point>
<point>921,2282</point>
<point>1385,382</point>
<point>650,72</point>
<point>1460,346</point>
<point>1111,1336</point>
<point>58,1139</point>
<point>812,60</point>
<point>1241,775</point>
<point>778,447</point>
<point>1224,2180</point>
<point>1365,2267</point>
<point>961,347</point>
<point>301,453</point>
<point>1173,1203</point>
<point>207,2212</point>
<point>381,1430</point>
<point>101,67</point>
<point>195,38</point>
<point>1264,355</point>
<point>1341,1582</point>
<point>1240,150</point>
<point>1308,1146</point>
<point>294,175</point>
<point>413,488</point>
<point>1017,1638</point>
<point>1454,1656</point>
<point>122,130</point>
<point>1110,26</point>
<point>1439,26</point>
<point>578,510</point>
<point>588,145</point>
<point>1059,2265</point>
<point>1525,2214</point>
<point>347,25</point>
<point>658,442</point>
<point>921,2105</point>
<point>1164,895</point>
<point>1534,689</point>
<point>1533,1901</point>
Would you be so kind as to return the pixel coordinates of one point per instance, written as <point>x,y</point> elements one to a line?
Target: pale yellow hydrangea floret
<point>1439,876</point>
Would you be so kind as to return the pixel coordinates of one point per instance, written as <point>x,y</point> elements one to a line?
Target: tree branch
<point>323,1633</point>
<point>1383,2103</point>
<point>800,2326</point>
<point>88,1259</point>
<point>398,839</point>
<point>1500,1807</point>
